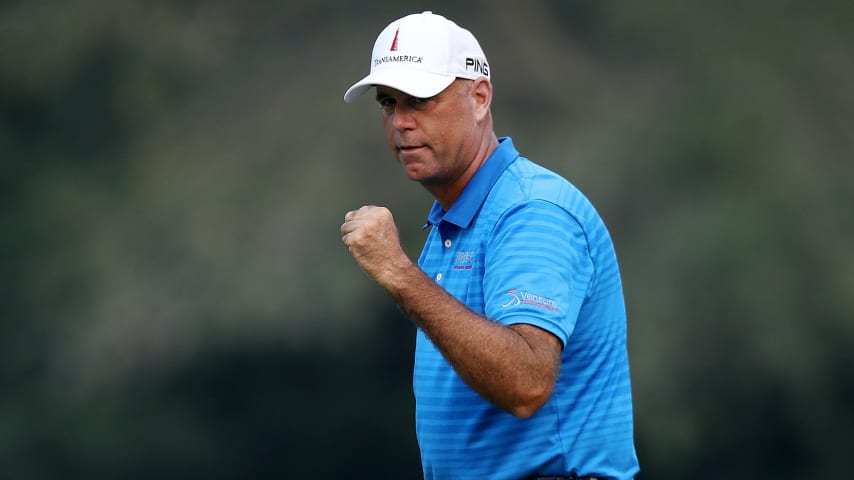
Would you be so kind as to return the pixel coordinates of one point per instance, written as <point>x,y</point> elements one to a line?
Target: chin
<point>419,172</point>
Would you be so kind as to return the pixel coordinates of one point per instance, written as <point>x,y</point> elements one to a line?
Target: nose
<point>402,118</point>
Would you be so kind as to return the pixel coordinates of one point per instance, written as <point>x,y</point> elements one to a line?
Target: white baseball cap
<point>420,55</point>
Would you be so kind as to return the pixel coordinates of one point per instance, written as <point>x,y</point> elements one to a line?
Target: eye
<point>386,104</point>
<point>418,102</point>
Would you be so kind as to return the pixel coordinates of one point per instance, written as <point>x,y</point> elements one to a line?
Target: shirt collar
<point>464,209</point>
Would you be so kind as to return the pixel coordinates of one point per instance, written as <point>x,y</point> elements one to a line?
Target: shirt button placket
<point>447,244</point>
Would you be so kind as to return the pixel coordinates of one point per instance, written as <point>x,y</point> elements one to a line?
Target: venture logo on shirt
<point>528,298</point>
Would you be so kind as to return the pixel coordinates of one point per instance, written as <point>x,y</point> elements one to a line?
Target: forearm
<point>512,367</point>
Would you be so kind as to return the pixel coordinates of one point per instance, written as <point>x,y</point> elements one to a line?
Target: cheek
<point>445,135</point>
<point>388,131</point>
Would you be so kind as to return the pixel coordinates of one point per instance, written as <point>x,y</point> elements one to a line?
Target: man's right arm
<point>515,367</point>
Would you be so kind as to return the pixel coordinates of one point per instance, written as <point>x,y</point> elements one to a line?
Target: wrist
<point>401,274</point>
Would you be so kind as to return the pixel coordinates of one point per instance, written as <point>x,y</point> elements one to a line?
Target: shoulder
<point>526,182</point>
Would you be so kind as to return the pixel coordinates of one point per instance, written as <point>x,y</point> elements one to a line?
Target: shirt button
<point>448,243</point>
<point>438,276</point>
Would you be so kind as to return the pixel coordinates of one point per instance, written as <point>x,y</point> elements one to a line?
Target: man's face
<point>432,138</point>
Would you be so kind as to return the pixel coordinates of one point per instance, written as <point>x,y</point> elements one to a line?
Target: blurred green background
<point>176,302</point>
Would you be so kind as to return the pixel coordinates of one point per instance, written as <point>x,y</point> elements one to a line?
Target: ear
<point>481,92</point>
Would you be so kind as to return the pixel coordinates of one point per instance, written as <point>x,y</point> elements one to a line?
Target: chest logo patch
<point>464,260</point>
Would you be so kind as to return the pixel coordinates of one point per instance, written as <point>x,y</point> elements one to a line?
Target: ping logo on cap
<point>476,64</point>
<point>394,42</point>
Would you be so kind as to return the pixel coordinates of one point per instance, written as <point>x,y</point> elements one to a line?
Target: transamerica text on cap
<point>398,58</point>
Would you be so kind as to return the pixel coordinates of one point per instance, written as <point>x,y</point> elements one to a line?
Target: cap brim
<point>417,83</point>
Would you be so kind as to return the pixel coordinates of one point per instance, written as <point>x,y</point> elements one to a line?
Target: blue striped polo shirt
<point>523,245</point>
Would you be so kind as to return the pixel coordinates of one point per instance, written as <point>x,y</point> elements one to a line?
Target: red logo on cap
<point>394,42</point>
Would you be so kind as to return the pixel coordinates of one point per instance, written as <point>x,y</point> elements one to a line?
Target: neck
<point>447,193</point>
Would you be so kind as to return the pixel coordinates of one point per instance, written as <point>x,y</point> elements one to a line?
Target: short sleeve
<point>537,268</point>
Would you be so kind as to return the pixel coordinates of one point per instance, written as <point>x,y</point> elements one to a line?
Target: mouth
<point>409,148</point>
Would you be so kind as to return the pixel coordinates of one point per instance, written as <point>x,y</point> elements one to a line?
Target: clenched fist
<point>371,236</point>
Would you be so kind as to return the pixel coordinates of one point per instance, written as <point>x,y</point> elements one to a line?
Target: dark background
<point>176,302</point>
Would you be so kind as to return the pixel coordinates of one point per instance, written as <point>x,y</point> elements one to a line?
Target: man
<point>521,368</point>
